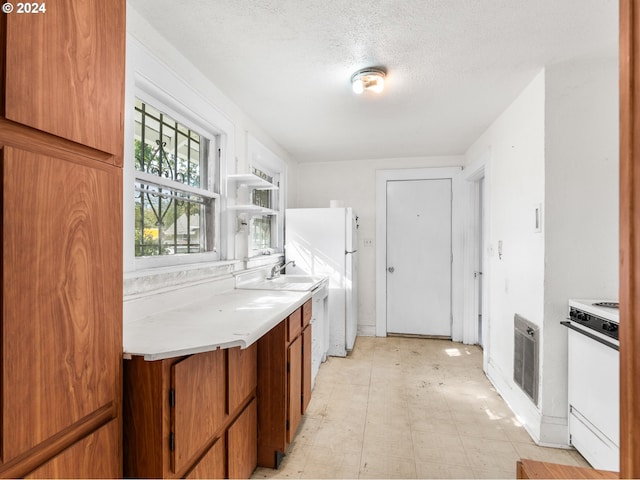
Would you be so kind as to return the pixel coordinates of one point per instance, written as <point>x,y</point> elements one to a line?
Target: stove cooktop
<point>595,315</point>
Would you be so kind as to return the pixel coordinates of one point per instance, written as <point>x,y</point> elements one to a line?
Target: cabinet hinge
<point>172,398</point>
<point>172,442</point>
<point>287,422</point>
<point>288,367</point>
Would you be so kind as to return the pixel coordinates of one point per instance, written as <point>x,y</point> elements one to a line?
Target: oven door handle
<point>590,335</point>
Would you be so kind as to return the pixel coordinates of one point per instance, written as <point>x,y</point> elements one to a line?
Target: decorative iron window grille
<point>173,205</point>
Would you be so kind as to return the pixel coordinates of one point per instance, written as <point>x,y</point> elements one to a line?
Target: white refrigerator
<point>323,241</point>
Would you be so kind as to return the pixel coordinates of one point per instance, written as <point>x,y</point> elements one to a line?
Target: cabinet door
<point>243,443</point>
<point>294,387</point>
<point>243,375</point>
<point>199,385</point>
<point>65,71</point>
<point>307,353</point>
<point>272,395</point>
<point>213,464</point>
<point>62,295</point>
<point>95,456</point>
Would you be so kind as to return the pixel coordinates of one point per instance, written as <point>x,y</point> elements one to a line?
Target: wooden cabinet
<point>191,416</point>
<point>61,344</point>
<point>64,72</point>
<point>284,384</point>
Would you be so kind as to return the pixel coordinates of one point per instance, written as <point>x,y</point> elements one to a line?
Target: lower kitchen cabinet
<point>284,384</point>
<point>182,415</point>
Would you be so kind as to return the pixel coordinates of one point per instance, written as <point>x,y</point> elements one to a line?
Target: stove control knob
<point>581,316</point>
<point>609,327</point>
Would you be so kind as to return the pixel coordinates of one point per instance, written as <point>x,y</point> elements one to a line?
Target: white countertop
<point>234,318</point>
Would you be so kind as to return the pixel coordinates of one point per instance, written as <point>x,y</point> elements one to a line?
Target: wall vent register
<point>525,357</point>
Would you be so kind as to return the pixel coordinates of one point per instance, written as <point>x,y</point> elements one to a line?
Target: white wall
<point>354,182</point>
<point>516,281</point>
<point>555,146</point>
<point>581,198</point>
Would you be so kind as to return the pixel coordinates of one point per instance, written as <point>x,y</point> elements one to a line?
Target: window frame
<point>208,194</point>
<point>177,98</point>
<point>262,158</point>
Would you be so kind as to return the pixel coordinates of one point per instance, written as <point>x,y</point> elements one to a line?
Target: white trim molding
<point>384,176</point>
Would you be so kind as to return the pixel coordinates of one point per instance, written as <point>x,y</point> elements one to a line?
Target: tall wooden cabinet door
<point>64,71</point>
<point>306,368</point>
<point>95,456</point>
<point>199,384</point>
<point>294,388</point>
<point>243,443</point>
<point>61,298</point>
<point>272,395</point>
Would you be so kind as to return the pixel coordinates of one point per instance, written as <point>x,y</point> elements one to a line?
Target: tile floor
<point>409,408</point>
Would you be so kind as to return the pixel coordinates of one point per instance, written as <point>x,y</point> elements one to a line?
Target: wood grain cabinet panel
<point>243,375</point>
<point>95,456</point>
<point>213,464</point>
<point>306,313</point>
<point>294,388</point>
<point>243,443</point>
<point>177,415</point>
<point>61,145</point>
<point>199,386</point>
<point>294,323</point>
<point>62,295</point>
<point>64,72</point>
<point>284,386</point>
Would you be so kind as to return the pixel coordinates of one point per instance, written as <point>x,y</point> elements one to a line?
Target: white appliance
<point>323,241</point>
<point>593,378</point>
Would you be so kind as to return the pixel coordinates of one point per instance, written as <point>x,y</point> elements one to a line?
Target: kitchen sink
<point>297,283</point>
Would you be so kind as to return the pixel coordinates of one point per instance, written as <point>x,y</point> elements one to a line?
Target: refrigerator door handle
<point>346,252</point>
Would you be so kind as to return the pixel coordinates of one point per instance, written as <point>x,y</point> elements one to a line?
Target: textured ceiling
<point>453,65</point>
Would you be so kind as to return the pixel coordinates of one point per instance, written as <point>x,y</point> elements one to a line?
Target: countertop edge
<point>242,340</point>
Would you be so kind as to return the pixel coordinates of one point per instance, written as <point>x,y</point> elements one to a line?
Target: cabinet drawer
<point>306,313</point>
<point>294,323</point>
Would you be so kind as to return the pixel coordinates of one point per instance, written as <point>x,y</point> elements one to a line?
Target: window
<point>175,186</point>
<point>261,226</point>
<point>266,228</point>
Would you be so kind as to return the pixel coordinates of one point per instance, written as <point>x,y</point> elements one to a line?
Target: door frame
<point>384,176</point>
<point>477,169</point>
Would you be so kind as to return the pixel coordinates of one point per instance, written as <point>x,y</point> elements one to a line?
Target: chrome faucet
<point>276,270</point>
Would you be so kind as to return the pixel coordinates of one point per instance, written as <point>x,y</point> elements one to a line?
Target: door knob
<point>391,269</point>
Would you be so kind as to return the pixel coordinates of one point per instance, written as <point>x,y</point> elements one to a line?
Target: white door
<point>419,257</point>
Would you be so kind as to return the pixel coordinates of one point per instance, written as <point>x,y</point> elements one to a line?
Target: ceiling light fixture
<point>371,78</point>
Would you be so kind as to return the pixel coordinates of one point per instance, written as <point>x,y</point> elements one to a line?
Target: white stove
<point>593,381</point>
